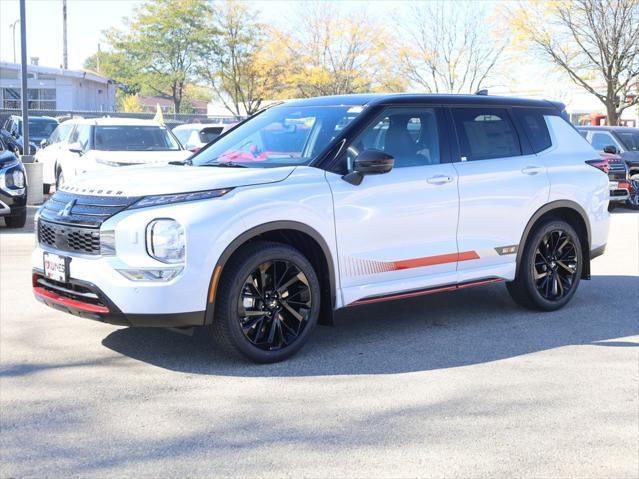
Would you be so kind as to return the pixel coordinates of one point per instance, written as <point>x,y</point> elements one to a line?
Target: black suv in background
<point>13,188</point>
<point>40,128</point>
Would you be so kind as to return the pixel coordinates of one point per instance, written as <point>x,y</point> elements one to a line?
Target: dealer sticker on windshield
<point>55,267</point>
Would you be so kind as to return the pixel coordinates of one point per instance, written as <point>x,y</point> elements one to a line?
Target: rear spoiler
<point>561,108</point>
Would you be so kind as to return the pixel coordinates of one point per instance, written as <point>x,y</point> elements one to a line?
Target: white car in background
<point>195,136</point>
<point>104,143</point>
<point>49,151</point>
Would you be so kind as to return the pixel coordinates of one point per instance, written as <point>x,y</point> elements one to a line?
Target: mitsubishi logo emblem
<point>66,211</point>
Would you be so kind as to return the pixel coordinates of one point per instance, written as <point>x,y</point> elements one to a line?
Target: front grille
<point>73,239</point>
<point>83,210</point>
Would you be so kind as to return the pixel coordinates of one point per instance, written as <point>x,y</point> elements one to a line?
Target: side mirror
<point>44,144</point>
<point>611,149</point>
<point>75,148</point>
<point>369,162</point>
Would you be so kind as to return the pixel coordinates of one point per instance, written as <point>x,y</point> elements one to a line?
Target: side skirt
<point>423,292</point>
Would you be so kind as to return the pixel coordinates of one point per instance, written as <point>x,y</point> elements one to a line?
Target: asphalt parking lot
<point>462,384</point>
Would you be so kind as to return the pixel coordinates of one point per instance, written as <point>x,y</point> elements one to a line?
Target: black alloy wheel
<point>267,302</point>
<point>550,267</point>
<point>274,305</point>
<point>555,265</point>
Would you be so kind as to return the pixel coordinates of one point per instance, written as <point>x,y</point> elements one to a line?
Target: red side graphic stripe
<point>435,260</point>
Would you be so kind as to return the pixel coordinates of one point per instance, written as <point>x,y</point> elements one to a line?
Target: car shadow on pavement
<point>432,332</point>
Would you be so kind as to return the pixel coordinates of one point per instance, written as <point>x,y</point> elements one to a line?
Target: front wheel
<point>267,303</point>
<point>16,221</point>
<point>59,180</point>
<point>550,267</point>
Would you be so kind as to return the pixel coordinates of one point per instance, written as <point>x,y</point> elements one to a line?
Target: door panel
<point>499,189</point>
<point>397,231</point>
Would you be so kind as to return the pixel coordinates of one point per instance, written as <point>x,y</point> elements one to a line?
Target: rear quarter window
<point>534,125</point>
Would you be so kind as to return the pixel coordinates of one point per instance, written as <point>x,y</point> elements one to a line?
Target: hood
<point>159,180</point>
<point>126,158</point>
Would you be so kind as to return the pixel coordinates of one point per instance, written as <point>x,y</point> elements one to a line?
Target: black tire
<point>249,285</point>
<point>59,180</point>
<point>46,188</point>
<point>538,276</point>
<point>16,221</point>
<point>611,206</point>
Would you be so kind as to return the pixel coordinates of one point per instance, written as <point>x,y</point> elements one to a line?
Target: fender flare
<point>257,231</point>
<point>547,208</point>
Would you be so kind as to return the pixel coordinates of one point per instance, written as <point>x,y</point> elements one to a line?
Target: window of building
<point>37,98</point>
<point>485,133</point>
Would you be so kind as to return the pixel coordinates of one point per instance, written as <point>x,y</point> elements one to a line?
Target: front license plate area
<point>56,267</point>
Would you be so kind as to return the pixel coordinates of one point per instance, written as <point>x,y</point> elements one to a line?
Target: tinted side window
<point>485,133</point>
<point>410,135</point>
<point>535,128</point>
<point>600,140</point>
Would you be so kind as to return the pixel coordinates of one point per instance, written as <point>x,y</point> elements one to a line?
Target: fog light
<point>163,275</point>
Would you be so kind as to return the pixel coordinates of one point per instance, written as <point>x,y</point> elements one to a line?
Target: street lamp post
<point>12,26</point>
<point>26,150</point>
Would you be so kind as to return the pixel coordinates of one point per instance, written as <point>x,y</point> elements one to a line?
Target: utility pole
<point>65,58</point>
<point>26,148</point>
<point>12,26</point>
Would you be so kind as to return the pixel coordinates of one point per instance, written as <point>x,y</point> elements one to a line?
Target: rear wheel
<point>267,303</point>
<point>46,188</point>
<point>550,268</point>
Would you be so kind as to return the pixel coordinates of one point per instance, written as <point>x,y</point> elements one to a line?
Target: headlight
<point>179,197</point>
<point>18,178</point>
<point>165,241</point>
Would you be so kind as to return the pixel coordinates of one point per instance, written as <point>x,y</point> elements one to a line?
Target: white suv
<point>81,146</point>
<point>324,203</point>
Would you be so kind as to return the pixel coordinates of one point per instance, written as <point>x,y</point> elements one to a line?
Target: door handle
<point>439,179</point>
<point>531,170</point>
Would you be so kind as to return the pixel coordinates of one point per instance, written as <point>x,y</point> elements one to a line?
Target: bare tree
<point>593,41</point>
<point>448,46</point>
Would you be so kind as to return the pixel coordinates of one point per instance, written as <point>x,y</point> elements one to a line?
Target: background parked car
<point>619,146</point>
<point>40,128</point>
<point>100,143</point>
<point>194,136</point>
<point>13,188</point>
<point>51,149</point>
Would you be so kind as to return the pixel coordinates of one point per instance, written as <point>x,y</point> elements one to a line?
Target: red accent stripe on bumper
<point>71,303</point>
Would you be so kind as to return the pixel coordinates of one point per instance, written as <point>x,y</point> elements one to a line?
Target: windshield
<point>629,139</point>
<point>183,134</point>
<point>41,128</point>
<point>134,138</point>
<point>280,136</point>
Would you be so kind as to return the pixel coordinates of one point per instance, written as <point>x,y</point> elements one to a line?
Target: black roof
<point>423,98</point>
<point>607,128</point>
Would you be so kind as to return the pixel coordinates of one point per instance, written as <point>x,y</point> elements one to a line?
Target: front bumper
<point>86,300</point>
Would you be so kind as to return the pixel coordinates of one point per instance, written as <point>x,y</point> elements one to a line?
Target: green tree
<point>159,43</point>
<point>116,66</point>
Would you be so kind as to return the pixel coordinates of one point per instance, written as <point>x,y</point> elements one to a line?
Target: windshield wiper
<point>225,164</point>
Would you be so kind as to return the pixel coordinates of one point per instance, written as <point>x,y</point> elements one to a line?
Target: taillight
<point>601,164</point>
<point>624,185</point>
